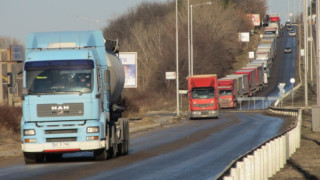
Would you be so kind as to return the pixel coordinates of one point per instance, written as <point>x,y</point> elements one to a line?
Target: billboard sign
<point>129,62</point>
<point>255,19</point>
<point>171,75</point>
<point>244,37</point>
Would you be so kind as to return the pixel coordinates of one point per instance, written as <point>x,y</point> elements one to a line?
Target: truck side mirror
<point>107,86</point>
<point>12,83</point>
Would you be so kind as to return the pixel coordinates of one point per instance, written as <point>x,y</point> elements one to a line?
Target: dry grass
<point>9,130</point>
<point>10,118</point>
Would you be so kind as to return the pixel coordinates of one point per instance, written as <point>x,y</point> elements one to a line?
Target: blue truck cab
<point>71,85</point>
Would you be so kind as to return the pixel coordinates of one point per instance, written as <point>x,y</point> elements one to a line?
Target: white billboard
<point>171,75</point>
<point>244,37</point>
<point>129,62</point>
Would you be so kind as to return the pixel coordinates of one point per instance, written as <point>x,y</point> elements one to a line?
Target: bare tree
<point>150,30</point>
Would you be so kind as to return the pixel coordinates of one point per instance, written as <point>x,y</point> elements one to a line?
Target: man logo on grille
<point>59,110</point>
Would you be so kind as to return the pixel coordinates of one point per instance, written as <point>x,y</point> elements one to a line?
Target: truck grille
<point>226,104</point>
<point>61,131</point>
<point>225,100</point>
<point>58,110</point>
<point>203,105</point>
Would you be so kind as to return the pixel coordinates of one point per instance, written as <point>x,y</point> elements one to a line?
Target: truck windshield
<point>65,76</point>
<point>225,92</point>
<point>269,32</point>
<point>203,93</point>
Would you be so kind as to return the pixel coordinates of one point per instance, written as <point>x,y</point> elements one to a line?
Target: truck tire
<point>124,145</point>
<point>113,151</point>
<point>100,154</point>
<point>31,158</point>
<point>127,138</point>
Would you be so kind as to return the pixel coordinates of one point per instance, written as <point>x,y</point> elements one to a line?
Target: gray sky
<point>20,17</point>
<point>282,7</point>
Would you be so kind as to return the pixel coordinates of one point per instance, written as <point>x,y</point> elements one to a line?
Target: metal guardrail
<point>269,157</point>
<point>252,103</point>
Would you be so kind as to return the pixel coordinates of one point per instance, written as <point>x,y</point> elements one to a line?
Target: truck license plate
<point>60,144</point>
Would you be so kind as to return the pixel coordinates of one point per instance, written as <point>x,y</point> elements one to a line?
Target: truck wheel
<point>100,154</point>
<point>31,158</point>
<point>124,145</point>
<point>114,141</point>
<point>127,137</point>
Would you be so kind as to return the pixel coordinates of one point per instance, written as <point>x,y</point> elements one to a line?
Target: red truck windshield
<point>203,93</point>
<point>225,92</point>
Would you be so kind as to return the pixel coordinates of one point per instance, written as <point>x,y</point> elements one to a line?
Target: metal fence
<point>252,103</point>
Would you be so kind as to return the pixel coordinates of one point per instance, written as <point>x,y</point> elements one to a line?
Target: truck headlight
<point>94,129</point>
<point>196,113</point>
<point>29,132</point>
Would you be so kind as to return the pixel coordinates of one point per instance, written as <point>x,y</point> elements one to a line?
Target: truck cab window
<point>225,92</point>
<point>50,78</point>
<point>203,93</point>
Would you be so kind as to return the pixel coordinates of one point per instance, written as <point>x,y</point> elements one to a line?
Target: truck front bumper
<point>227,104</point>
<point>204,114</point>
<point>63,146</point>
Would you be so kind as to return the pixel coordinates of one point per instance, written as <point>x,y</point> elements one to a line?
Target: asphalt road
<point>194,149</point>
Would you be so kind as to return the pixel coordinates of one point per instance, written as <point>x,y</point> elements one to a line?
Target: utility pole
<point>311,45</point>
<point>318,50</point>
<point>288,11</point>
<point>305,27</point>
<point>177,61</point>
<point>316,109</point>
<point>189,59</point>
<point>1,84</point>
<point>294,11</point>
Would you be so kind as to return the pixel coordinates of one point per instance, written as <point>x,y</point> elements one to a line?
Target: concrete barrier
<point>268,158</point>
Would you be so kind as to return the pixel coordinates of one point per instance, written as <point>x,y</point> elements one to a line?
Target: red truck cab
<point>227,93</point>
<point>203,96</point>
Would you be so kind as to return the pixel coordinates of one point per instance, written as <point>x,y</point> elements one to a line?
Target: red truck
<point>274,17</point>
<point>228,92</point>
<point>203,96</point>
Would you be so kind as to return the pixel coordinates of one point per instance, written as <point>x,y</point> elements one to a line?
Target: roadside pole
<point>305,27</point>
<point>1,82</point>
<point>318,50</point>
<point>177,61</point>
<point>316,109</point>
